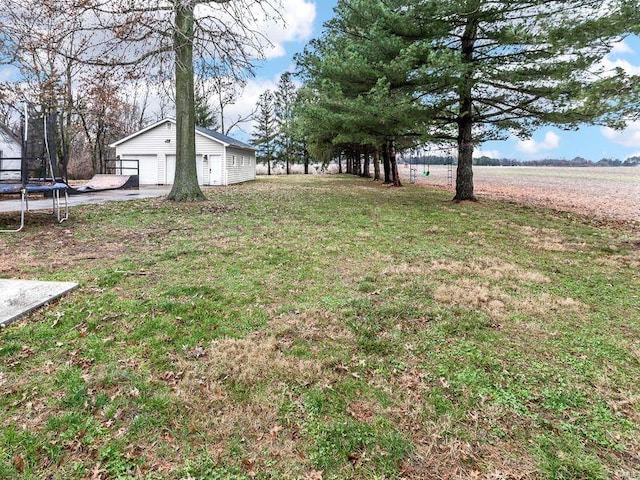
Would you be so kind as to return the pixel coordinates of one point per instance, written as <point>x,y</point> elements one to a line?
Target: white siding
<point>156,150</point>
<point>206,146</point>
<point>244,168</point>
<point>147,167</point>
<point>215,152</point>
<point>215,171</point>
<point>151,148</point>
<point>168,170</point>
<point>6,164</point>
<point>9,148</point>
<point>153,141</point>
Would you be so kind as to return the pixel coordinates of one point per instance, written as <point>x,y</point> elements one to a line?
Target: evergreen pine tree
<point>265,129</point>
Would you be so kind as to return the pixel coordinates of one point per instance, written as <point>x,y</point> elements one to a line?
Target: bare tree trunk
<point>386,163</point>
<point>464,172</point>
<point>99,148</point>
<point>185,183</point>
<point>376,164</point>
<point>95,159</point>
<point>357,162</point>
<point>222,118</point>
<point>394,164</point>
<point>340,162</point>
<point>366,171</point>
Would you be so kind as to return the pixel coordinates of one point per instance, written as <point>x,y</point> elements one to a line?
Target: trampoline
<point>37,172</point>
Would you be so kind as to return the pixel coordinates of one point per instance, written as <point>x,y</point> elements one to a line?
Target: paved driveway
<point>8,204</point>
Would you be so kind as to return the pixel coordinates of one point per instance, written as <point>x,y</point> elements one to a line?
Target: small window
<point>233,160</point>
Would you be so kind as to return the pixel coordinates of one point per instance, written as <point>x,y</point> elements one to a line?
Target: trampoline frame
<point>60,205</point>
<point>45,181</point>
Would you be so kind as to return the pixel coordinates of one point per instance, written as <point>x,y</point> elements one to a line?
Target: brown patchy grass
<point>253,360</point>
<point>290,329</point>
<point>470,294</point>
<point>547,239</point>
<point>482,284</point>
<point>208,382</point>
<point>490,268</point>
<point>497,462</point>
<point>309,326</point>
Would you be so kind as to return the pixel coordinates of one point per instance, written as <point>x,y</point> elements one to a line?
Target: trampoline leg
<point>23,203</point>
<point>55,199</point>
<point>58,209</point>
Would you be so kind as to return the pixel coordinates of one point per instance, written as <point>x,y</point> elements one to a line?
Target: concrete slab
<point>20,297</point>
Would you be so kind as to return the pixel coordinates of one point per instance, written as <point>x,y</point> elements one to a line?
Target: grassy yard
<point>324,328</point>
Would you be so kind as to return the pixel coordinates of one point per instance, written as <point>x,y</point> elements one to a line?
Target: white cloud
<point>622,48</point>
<point>614,60</point>
<point>478,152</point>
<point>629,137</point>
<point>531,147</point>
<point>247,104</point>
<point>625,65</point>
<point>296,26</point>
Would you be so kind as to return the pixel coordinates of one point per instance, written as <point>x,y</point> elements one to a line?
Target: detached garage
<point>220,159</point>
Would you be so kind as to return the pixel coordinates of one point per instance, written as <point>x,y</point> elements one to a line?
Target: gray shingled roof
<point>224,138</point>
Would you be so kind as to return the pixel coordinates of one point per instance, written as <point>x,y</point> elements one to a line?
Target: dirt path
<point>600,192</point>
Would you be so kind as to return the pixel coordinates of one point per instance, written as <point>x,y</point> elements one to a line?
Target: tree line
<point>388,76</point>
<point>556,162</point>
<point>510,162</point>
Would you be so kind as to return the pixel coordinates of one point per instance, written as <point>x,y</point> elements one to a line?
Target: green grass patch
<point>324,327</point>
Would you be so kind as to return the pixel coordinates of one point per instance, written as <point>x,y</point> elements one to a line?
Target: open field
<point>600,192</point>
<point>324,327</point>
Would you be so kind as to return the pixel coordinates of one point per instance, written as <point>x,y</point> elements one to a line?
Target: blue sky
<point>592,142</point>
<point>322,11</point>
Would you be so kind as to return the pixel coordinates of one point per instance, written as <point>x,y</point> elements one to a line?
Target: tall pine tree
<point>476,69</point>
<point>285,98</point>
<point>265,129</point>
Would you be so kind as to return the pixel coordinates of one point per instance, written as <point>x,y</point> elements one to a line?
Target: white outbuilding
<point>220,159</point>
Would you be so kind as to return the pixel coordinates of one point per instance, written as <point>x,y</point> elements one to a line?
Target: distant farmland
<point>601,192</point>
